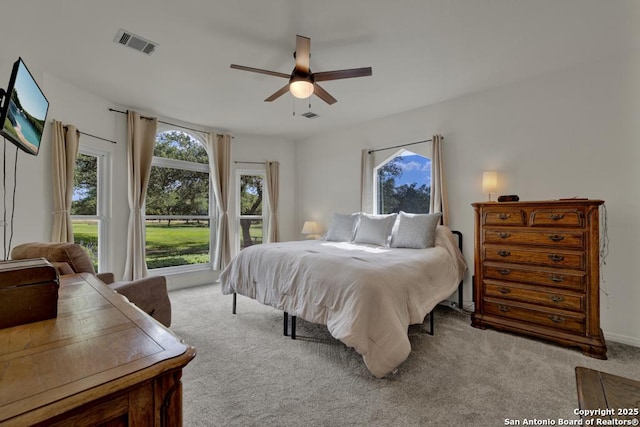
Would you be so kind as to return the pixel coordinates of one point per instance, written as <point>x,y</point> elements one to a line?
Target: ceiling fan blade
<point>260,71</point>
<point>323,94</point>
<point>303,52</point>
<point>342,74</point>
<point>284,89</point>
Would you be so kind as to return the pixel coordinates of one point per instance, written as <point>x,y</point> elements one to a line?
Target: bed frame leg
<point>431,322</point>
<point>285,324</point>
<point>293,327</point>
<point>233,310</point>
<point>461,284</point>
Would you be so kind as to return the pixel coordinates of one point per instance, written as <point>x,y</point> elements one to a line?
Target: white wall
<point>570,133</point>
<point>90,114</point>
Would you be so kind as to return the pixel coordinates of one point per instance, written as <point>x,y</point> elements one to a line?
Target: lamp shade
<point>489,182</point>
<point>301,88</point>
<point>311,227</point>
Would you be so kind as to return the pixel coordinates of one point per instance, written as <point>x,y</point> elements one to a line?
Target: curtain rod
<point>166,123</point>
<point>402,145</point>
<point>94,136</point>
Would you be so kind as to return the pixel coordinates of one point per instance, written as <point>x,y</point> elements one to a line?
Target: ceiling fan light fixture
<point>301,88</point>
<point>302,82</point>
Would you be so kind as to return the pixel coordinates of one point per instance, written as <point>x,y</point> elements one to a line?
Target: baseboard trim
<point>635,342</point>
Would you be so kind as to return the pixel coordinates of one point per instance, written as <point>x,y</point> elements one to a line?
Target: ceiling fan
<point>302,82</point>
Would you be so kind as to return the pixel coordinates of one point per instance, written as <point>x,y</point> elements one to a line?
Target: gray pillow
<point>375,229</point>
<point>415,231</point>
<point>342,227</point>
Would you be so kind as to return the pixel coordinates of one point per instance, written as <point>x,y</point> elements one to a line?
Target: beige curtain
<point>65,149</point>
<point>219,153</point>
<point>141,140</point>
<point>439,202</point>
<point>366,181</point>
<point>273,179</point>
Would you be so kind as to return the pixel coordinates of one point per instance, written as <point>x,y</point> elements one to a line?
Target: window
<point>403,183</point>
<point>252,208</point>
<point>178,207</point>
<point>89,202</point>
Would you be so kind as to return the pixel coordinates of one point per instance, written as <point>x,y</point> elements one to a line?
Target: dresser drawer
<point>514,254</point>
<point>503,216</point>
<point>564,239</point>
<point>557,218</point>
<point>558,319</point>
<point>535,295</point>
<point>537,276</point>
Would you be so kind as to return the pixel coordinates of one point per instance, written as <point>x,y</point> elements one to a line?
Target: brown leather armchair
<point>149,294</point>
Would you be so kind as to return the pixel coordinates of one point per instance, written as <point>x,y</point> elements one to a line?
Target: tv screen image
<point>24,110</point>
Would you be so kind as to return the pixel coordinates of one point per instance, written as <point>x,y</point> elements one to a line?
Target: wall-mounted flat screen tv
<point>24,110</point>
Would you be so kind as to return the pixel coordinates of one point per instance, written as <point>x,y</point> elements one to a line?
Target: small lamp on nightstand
<point>489,182</point>
<point>311,230</point>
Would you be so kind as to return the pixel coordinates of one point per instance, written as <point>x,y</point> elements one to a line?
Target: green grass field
<point>180,244</point>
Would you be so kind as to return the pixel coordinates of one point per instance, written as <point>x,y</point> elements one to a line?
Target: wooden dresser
<point>537,271</point>
<point>100,362</point>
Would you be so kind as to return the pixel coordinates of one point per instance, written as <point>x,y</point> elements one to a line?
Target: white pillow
<point>415,231</point>
<point>342,227</point>
<point>375,229</point>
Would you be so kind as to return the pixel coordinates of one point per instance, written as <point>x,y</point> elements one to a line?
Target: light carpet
<point>246,373</point>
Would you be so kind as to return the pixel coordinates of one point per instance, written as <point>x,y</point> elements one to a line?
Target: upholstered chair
<point>149,294</point>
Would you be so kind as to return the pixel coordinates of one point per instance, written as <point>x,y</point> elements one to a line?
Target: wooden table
<point>617,397</point>
<point>101,361</point>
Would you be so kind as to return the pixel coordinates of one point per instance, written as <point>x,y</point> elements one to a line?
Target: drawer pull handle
<point>556,237</point>
<point>504,290</point>
<point>557,319</point>
<point>556,278</point>
<point>556,258</point>
<point>556,217</point>
<point>504,216</point>
<point>504,253</point>
<point>557,298</point>
<point>504,235</point>
<point>503,308</point>
<point>504,271</point>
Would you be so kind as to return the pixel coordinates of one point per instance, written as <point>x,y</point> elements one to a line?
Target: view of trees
<point>174,191</point>
<point>251,190</point>
<point>85,186</point>
<point>85,202</point>
<point>408,197</point>
<point>177,203</point>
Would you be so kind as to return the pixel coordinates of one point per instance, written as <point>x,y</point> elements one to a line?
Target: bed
<point>366,294</point>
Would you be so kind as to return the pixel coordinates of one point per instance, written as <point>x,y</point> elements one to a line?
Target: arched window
<point>178,206</point>
<point>403,183</point>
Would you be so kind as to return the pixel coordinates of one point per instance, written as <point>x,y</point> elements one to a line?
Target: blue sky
<point>416,169</point>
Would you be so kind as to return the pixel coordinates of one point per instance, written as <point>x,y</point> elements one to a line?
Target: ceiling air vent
<point>138,43</point>
<point>310,115</point>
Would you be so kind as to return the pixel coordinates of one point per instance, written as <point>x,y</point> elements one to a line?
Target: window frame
<point>376,168</point>
<point>265,205</point>
<point>103,203</point>
<point>212,215</point>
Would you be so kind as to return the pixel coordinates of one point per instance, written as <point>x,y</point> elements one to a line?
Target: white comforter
<point>366,295</point>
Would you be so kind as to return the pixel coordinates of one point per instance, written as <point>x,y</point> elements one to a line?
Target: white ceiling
<point>422,52</point>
